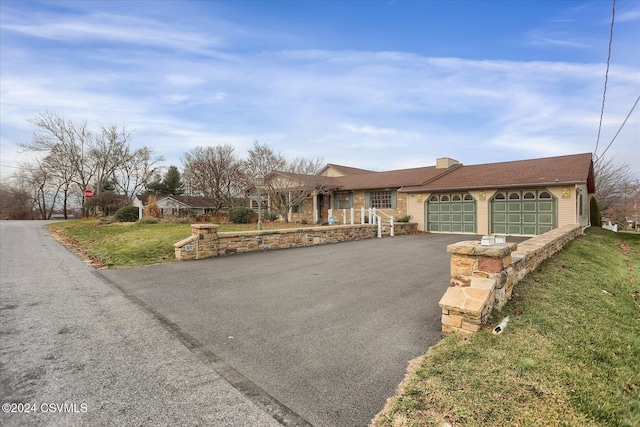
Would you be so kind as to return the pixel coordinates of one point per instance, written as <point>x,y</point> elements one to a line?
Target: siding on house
<point>566,205</point>
<point>566,178</point>
<point>569,207</point>
<point>483,211</point>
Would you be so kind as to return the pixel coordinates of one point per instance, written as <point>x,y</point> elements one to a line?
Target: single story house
<point>525,197</point>
<point>177,205</point>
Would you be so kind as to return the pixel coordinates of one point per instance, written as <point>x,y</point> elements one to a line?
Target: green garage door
<point>451,213</point>
<point>527,212</point>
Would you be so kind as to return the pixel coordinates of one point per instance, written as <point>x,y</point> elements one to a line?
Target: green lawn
<point>130,244</point>
<point>570,355</point>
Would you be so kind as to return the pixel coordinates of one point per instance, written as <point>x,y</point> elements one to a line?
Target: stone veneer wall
<point>206,242</point>
<point>483,277</point>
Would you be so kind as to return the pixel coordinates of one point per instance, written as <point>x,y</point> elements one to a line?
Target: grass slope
<point>132,244</point>
<point>122,244</point>
<point>570,355</point>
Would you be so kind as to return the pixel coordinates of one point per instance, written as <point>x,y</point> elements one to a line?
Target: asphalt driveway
<point>318,335</point>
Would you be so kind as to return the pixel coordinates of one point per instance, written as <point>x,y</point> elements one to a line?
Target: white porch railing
<point>379,219</point>
<point>374,217</point>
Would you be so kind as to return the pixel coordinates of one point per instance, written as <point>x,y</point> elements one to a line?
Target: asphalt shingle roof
<point>389,179</point>
<point>347,170</point>
<point>571,169</point>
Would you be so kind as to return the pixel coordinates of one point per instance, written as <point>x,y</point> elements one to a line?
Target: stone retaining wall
<point>482,277</point>
<point>206,242</point>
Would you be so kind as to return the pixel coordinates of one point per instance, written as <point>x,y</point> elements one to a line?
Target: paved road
<point>325,331</point>
<point>317,335</point>
<point>67,337</point>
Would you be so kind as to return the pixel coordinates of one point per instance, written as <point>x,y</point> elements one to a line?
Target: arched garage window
<point>544,195</point>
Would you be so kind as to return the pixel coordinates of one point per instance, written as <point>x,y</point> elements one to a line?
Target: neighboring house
<point>177,205</point>
<point>526,197</point>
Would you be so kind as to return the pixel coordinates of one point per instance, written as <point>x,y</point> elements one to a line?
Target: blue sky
<point>372,84</point>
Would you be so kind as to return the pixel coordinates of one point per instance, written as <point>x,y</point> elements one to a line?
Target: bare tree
<point>215,172</point>
<point>63,172</point>
<point>261,161</point>
<point>79,160</point>
<point>66,142</point>
<point>300,181</point>
<point>44,186</point>
<point>15,201</point>
<point>135,171</point>
<point>108,152</point>
<point>615,187</point>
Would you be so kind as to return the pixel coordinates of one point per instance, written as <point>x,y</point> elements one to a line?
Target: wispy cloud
<point>116,28</point>
<point>357,107</point>
<point>370,130</point>
<point>628,16</point>
<point>548,41</point>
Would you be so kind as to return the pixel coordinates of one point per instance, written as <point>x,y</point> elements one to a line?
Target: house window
<point>343,201</point>
<point>381,199</point>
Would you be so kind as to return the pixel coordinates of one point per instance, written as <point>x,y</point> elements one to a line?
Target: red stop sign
<point>88,193</point>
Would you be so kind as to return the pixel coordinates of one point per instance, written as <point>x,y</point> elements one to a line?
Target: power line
<point>606,74</point>
<point>621,126</point>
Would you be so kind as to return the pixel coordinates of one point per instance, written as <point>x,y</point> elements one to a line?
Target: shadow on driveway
<point>323,333</point>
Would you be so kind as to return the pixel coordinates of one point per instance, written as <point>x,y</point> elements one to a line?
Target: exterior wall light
<point>566,193</point>
<point>419,197</point>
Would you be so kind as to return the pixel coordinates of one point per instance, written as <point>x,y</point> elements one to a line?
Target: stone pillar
<point>480,279</point>
<point>207,240</point>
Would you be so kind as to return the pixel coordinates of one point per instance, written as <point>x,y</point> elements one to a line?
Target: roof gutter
<point>488,187</point>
